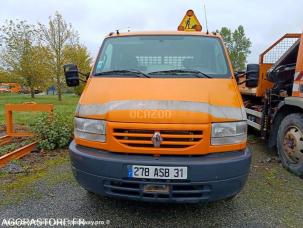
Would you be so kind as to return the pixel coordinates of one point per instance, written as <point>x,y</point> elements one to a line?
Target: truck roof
<point>155,33</point>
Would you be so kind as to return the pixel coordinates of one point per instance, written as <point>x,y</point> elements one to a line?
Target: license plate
<point>157,172</point>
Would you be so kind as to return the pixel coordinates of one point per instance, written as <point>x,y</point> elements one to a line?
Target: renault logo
<point>157,139</point>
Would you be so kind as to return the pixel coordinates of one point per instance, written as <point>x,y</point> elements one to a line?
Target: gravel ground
<point>272,198</point>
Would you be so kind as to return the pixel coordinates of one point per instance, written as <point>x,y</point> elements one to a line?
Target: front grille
<point>171,138</point>
<point>178,191</point>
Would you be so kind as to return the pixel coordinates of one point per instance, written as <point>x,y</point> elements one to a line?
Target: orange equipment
<point>10,88</point>
<point>10,133</point>
<point>273,96</point>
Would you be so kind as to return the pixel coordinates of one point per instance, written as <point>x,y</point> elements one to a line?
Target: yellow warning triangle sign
<point>190,22</point>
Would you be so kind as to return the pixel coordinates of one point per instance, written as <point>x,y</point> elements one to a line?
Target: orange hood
<point>157,100</point>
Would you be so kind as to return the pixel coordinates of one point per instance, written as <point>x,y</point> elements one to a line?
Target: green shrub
<point>53,131</point>
<point>79,89</point>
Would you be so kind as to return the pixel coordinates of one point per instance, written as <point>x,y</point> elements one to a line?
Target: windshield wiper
<point>196,73</point>
<point>122,72</point>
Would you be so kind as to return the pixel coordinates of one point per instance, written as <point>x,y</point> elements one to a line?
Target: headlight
<point>93,130</point>
<point>228,133</point>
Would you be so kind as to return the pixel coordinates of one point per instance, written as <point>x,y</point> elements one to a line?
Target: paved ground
<point>272,198</point>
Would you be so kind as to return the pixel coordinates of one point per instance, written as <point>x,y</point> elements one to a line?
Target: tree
<point>238,46</point>
<point>56,35</point>
<point>78,54</point>
<point>21,54</point>
<point>42,69</point>
<point>8,77</point>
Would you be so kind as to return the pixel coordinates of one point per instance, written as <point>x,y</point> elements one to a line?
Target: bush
<point>79,89</point>
<point>53,132</point>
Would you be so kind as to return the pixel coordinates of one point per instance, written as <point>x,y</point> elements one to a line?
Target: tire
<point>252,78</point>
<point>230,198</point>
<point>290,143</point>
<point>90,192</point>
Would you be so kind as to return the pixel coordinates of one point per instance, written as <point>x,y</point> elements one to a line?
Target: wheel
<point>290,143</point>
<point>89,192</point>
<point>230,198</point>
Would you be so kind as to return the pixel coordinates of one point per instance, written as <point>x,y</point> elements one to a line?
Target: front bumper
<point>210,177</point>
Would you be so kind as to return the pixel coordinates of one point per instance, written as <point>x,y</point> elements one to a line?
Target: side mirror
<point>71,75</point>
<point>252,75</point>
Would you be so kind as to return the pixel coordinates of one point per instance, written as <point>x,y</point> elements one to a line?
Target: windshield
<point>163,56</point>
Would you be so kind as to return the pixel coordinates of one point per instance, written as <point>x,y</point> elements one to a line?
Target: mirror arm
<point>240,75</point>
<point>86,76</point>
<point>245,73</point>
<point>240,83</point>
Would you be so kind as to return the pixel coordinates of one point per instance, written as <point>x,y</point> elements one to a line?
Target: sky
<point>264,20</point>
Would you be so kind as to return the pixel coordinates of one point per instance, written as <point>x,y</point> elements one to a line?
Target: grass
<point>13,146</point>
<point>66,106</point>
<point>24,185</point>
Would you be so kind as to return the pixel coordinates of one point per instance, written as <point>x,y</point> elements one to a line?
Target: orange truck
<point>10,88</point>
<point>160,119</point>
<point>272,91</point>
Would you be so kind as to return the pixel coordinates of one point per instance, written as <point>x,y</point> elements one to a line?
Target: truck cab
<point>160,119</point>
